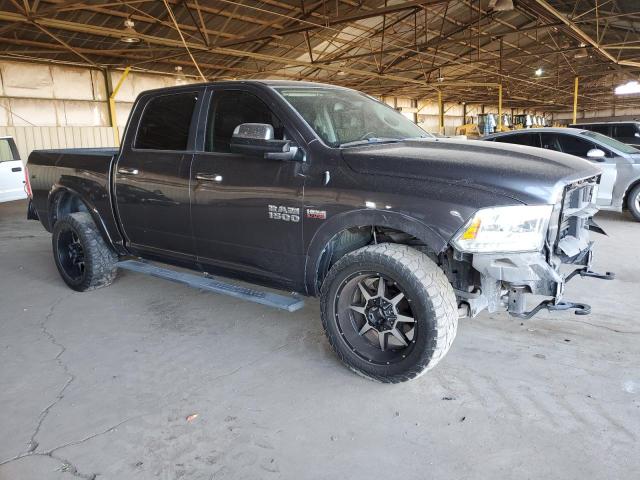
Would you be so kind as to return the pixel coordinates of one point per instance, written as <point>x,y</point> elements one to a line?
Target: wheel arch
<point>355,225</point>
<point>64,200</point>
<point>625,198</point>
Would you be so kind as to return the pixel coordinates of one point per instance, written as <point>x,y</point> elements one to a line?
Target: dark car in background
<point>625,132</point>
<point>620,163</point>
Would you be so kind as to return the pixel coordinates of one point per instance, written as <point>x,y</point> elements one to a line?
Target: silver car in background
<point>620,163</point>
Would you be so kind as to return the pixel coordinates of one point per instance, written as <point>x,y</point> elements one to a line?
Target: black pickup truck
<point>323,191</point>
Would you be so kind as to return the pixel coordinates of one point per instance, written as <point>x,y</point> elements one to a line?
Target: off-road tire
<point>633,202</point>
<point>99,259</point>
<point>434,307</point>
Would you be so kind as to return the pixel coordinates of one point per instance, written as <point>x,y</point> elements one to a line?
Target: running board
<point>283,302</point>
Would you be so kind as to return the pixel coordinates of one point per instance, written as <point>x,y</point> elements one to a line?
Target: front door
<point>246,210</point>
<point>11,172</point>
<point>152,176</point>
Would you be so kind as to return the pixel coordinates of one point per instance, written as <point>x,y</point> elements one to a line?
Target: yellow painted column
<point>575,100</point>
<point>112,106</point>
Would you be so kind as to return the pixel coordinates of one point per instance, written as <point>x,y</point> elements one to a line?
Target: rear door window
<point>603,129</point>
<point>625,131</point>
<point>550,142</point>
<point>166,121</point>
<point>528,139</point>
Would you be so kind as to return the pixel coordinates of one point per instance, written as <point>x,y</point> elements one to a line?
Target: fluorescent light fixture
<point>538,72</point>
<point>628,88</point>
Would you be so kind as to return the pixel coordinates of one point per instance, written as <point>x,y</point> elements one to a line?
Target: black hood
<point>526,174</point>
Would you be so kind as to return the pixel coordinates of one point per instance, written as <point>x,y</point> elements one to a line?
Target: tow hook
<point>585,272</point>
<point>580,308</point>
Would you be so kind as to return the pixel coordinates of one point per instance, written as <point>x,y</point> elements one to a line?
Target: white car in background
<point>11,172</point>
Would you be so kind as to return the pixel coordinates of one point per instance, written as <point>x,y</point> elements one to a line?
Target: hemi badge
<point>319,214</point>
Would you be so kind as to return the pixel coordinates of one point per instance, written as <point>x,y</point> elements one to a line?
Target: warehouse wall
<point>59,106</point>
<point>620,113</point>
<point>36,138</point>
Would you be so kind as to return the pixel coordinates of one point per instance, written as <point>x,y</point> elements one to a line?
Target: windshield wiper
<point>370,140</point>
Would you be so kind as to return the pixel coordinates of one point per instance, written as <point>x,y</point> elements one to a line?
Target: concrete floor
<point>100,384</point>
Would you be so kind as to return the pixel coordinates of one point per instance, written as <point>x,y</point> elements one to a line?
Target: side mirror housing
<point>596,154</point>
<point>256,139</point>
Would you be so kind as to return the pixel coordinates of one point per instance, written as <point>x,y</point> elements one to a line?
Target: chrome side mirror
<point>596,154</point>
<point>256,131</point>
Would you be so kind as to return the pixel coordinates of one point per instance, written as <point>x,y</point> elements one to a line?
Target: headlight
<point>518,228</point>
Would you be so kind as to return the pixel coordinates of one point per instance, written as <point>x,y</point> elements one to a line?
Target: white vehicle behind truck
<point>12,185</point>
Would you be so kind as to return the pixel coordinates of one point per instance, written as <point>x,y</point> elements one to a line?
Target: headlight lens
<point>518,228</point>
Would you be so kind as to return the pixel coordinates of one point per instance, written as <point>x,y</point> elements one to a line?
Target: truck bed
<point>83,171</point>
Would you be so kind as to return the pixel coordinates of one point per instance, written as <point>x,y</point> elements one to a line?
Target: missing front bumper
<point>506,280</point>
<point>517,296</point>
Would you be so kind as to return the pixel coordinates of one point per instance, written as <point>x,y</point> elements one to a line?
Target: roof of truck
<point>269,83</point>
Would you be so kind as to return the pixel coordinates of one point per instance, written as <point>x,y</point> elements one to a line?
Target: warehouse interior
<point>150,379</point>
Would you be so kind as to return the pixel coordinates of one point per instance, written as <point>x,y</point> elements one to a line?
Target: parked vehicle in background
<point>625,132</point>
<point>620,163</point>
<point>327,192</point>
<point>12,176</point>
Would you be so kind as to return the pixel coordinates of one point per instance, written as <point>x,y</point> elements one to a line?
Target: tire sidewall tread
<point>434,306</point>
<point>100,259</point>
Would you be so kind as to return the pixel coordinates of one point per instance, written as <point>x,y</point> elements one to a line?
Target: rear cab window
<point>166,121</point>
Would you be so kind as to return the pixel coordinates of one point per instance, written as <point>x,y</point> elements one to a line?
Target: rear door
<point>11,172</point>
<point>152,175</point>
<point>246,210</point>
<point>579,147</point>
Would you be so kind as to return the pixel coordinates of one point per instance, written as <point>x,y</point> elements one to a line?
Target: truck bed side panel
<point>86,172</point>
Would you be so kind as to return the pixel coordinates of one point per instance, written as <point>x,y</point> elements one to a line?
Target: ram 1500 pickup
<point>327,192</point>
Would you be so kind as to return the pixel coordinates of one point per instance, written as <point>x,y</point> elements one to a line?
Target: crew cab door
<point>574,145</point>
<point>152,175</point>
<point>233,194</point>
<point>11,172</point>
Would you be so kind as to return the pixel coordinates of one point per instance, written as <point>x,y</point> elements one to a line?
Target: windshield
<point>610,142</point>
<point>342,117</point>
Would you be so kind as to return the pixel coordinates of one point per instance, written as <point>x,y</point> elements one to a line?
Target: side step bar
<point>283,302</point>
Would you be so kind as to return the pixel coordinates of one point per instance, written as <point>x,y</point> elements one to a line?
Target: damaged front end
<point>493,281</point>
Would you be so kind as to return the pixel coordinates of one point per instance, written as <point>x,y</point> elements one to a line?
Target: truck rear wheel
<point>84,260</point>
<point>633,202</point>
<point>389,312</point>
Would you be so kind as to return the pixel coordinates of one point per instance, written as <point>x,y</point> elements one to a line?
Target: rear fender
<point>57,193</point>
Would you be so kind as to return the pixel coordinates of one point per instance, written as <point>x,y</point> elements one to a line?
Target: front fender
<point>360,218</point>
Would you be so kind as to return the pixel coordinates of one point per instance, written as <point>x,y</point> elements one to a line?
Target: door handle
<point>209,177</point>
<point>16,169</point>
<point>128,171</point>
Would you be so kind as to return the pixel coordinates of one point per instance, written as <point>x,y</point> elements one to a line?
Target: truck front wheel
<point>83,258</point>
<point>389,312</point>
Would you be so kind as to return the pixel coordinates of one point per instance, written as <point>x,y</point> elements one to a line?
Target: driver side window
<point>575,146</point>
<point>230,108</point>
